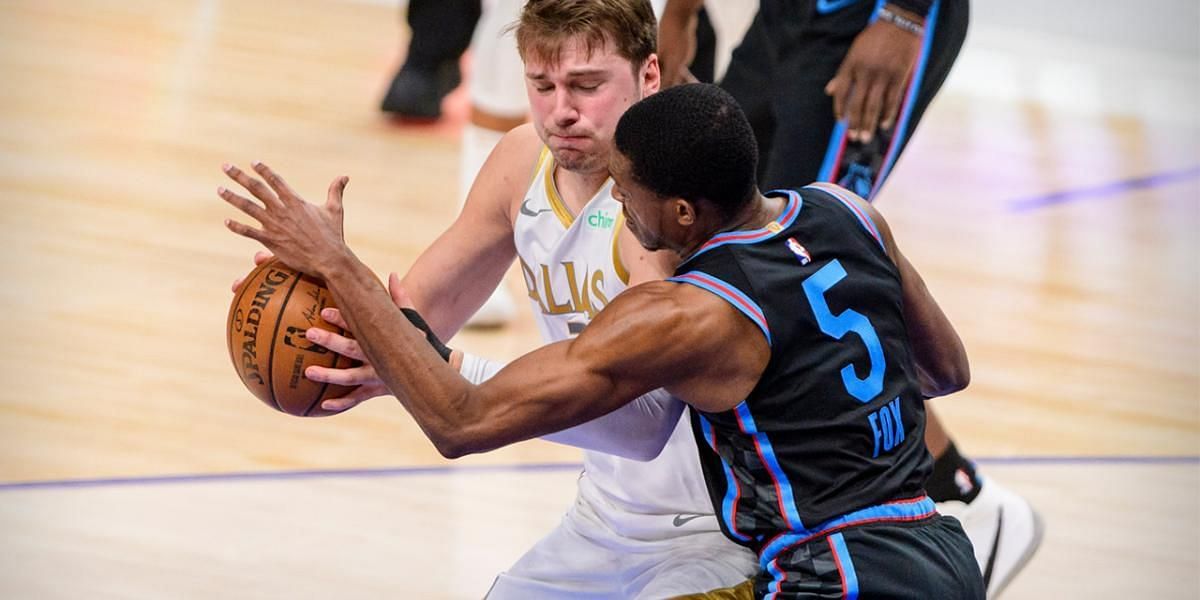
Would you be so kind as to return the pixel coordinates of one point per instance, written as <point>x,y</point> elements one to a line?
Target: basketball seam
<point>274,342</point>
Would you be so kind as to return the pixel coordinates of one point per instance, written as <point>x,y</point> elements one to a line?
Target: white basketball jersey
<point>572,269</point>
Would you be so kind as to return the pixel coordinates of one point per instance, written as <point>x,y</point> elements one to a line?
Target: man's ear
<point>651,76</point>
<point>685,212</point>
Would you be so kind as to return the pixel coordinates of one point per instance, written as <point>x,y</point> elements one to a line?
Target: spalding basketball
<point>265,331</point>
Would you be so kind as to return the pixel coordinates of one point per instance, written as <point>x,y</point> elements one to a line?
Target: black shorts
<point>930,559</point>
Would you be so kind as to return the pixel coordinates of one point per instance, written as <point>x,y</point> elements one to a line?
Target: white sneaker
<point>497,311</point>
<point>1003,527</point>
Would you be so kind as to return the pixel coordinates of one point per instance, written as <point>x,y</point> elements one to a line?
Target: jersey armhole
<point>839,194</point>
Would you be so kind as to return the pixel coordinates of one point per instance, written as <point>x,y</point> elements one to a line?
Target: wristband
<point>902,22</point>
<point>415,318</point>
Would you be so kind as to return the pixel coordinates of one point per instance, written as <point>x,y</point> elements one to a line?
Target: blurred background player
<point>834,89</point>
<point>440,32</point>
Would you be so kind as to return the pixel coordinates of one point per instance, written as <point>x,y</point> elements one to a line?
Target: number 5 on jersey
<point>837,326</point>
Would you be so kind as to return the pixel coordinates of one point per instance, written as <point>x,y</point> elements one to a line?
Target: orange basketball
<point>265,331</point>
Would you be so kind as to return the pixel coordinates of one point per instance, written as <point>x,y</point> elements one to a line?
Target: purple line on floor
<point>1103,190</point>
<point>528,468</point>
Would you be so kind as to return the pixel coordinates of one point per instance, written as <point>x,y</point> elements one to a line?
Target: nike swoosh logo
<point>681,520</point>
<point>991,562</point>
<point>525,210</point>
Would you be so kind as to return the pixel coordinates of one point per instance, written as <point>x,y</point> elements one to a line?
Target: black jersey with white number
<point>832,435</point>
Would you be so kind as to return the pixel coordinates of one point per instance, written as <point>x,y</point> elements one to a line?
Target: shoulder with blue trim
<point>730,293</point>
<point>866,215</point>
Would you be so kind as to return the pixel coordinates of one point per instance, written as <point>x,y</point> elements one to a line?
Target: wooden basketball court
<point>135,465</point>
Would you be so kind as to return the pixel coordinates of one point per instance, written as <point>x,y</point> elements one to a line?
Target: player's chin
<point>576,160</point>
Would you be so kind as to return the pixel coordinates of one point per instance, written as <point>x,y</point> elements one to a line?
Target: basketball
<point>265,332</point>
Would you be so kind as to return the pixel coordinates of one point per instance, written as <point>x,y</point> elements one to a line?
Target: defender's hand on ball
<point>304,236</point>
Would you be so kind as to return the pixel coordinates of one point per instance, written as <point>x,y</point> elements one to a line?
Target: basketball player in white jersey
<point>639,528</point>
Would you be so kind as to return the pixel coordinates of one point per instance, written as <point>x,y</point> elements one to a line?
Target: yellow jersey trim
<point>560,208</point>
<point>538,167</point>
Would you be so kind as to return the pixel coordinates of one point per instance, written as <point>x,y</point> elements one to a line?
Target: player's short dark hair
<point>692,142</point>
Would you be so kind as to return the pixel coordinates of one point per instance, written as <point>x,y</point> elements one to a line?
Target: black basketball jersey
<point>832,435</point>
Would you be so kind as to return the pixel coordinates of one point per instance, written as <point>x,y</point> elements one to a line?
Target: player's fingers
<point>252,185</point>
<point>356,396</point>
<point>333,199</point>
<point>243,204</point>
<point>399,296</point>
<point>340,404</point>
<point>278,185</point>
<point>344,403</point>
<point>855,107</point>
<point>334,317</point>
<point>891,103</point>
<point>838,88</point>
<point>335,342</point>
<point>872,110</point>
<point>245,230</point>
<point>237,284</point>
<point>363,375</point>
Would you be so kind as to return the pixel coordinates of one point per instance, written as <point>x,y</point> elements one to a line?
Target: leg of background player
<point>496,86</point>
<point>441,30</point>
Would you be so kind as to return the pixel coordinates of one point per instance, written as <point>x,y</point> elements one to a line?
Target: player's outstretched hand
<point>305,236</point>
<point>870,83</point>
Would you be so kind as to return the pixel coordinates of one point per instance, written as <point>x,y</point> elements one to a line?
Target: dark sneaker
<point>417,93</point>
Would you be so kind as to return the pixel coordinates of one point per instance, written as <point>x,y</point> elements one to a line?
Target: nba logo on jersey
<point>800,251</point>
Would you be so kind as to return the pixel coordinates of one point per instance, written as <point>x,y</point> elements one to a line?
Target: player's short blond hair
<point>627,26</point>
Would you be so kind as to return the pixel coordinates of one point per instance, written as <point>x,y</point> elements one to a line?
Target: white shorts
<point>582,559</point>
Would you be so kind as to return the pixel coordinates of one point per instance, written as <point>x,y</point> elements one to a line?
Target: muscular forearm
<point>636,431</point>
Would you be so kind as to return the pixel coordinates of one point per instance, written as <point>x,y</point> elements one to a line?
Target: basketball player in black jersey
<point>810,436</point>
